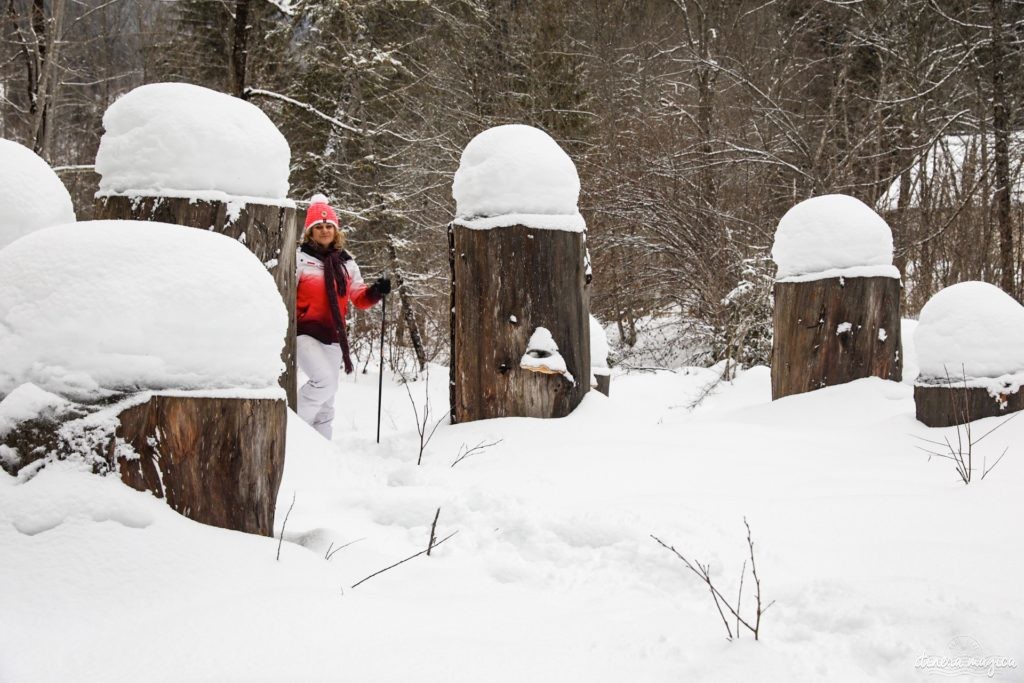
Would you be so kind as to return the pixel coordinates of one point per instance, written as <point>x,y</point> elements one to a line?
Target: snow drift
<point>136,306</point>
<point>516,175</point>
<point>175,139</point>
<point>831,236</point>
<point>31,194</point>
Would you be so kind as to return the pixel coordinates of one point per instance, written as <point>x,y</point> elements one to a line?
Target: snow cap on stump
<point>165,307</point>
<point>31,194</point>
<point>970,329</point>
<point>516,175</point>
<point>833,235</point>
<point>181,140</point>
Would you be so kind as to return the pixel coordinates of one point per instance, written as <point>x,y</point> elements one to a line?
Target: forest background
<point>694,126</point>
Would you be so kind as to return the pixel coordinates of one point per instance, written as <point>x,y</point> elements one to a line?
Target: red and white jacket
<point>313,312</point>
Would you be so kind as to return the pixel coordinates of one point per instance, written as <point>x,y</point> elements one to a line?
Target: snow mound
<point>138,306</point>
<point>973,329</point>
<point>175,139</point>
<point>516,175</point>
<point>31,194</point>
<point>822,237</point>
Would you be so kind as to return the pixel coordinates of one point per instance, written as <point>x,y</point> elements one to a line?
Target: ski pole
<point>380,376</point>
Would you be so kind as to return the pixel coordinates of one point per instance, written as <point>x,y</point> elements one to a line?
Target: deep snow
<point>876,556</point>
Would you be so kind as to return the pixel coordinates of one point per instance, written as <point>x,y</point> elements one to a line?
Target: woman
<point>328,279</point>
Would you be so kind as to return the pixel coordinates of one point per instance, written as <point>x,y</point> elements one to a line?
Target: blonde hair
<point>339,236</point>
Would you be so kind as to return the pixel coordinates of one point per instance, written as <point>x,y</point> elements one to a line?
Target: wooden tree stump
<point>507,282</point>
<point>949,405</point>
<point>217,461</point>
<point>270,232</point>
<point>833,331</point>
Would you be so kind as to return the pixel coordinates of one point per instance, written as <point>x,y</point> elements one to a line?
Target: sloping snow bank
<point>823,236</point>
<point>970,329</point>
<point>516,175</point>
<point>875,556</point>
<point>176,139</point>
<point>135,306</point>
<point>31,194</point>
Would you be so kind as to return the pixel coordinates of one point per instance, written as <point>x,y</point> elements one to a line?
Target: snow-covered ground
<point>877,558</point>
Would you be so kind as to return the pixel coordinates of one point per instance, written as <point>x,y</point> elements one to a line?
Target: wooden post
<point>217,461</point>
<point>948,405</point>
<point>270,232</point>
<point>506,283</point>
<point>835,330</point>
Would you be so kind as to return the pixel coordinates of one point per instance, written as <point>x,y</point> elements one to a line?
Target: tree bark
<point>506,283</point>
<point>217,461</point>
<point>408,315</point>
<point>1001,133</point>
<point>270,232</point>
<point>812,346</point>
<point>239,48</point>
<point>946,406</point>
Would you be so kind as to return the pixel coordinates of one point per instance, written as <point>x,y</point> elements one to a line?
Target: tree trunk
<point>506,283</point>
<point>239,48</point>
<point>408,315</point>
<point>268,231</point>
<point>833,331</point>
<point>217,461</point>
<point>1001,132</point>
<point>946,406</point>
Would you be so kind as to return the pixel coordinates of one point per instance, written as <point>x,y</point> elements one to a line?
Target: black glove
<point>382,286</point>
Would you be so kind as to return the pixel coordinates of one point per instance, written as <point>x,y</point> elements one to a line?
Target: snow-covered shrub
<point>31,194</point>
<point>744,334</point>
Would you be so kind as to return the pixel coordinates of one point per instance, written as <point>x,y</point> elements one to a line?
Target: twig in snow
<point>962,453</point>
<point>331,550</point>
<point>283,525</point>
<point>423,420</point>
<point>433,528</point>
<point>739,596</point>
<point>422,552</point>
<point>704,572</point>
<point>479,448</point>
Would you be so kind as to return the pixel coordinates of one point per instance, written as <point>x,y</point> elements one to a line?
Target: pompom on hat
<point>320,211</point>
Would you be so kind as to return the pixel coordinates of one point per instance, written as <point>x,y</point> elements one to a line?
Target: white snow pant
<point>321,363</point>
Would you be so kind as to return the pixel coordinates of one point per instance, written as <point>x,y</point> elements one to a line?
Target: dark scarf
<point>334,281</point>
